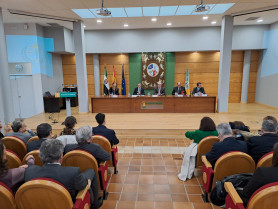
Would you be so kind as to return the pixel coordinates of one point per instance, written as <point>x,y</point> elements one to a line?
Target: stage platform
<point>160,124</point>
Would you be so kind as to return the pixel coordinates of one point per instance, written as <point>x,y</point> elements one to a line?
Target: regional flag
<point>114,75</point>
<point>123,81</point>
<point>186,84</point>
<point>106,83</point>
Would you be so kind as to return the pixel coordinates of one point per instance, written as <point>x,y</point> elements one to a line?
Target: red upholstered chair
<point>266,160</point>
<point>44,193</point>
<point>84,160</point>
<point>7,200</point>
<point>16,145</point>
<point>13,159</point>
<point>36,154</point>
<point>228,164</point>
<point>105,144</point>
<point>264,198</point>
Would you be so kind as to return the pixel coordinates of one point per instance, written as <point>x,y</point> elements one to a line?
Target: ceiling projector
<point>103,12</point>
<point>202,7</point>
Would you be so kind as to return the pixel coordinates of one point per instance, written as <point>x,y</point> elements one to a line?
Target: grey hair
<point>224,129</point>
<point>51,150</point>
<point>83,134</point>
<point>269,126</point>
<point>17,124</point>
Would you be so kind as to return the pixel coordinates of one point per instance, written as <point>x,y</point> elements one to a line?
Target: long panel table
<point>149,104</point>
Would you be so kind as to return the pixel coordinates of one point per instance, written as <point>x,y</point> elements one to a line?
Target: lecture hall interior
<point>138,62</point>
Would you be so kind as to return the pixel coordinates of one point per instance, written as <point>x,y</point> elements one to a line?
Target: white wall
<point>171,40</point>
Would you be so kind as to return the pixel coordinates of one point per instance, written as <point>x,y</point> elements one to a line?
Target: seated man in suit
<point>51,154</point>
<point>114,90</point>
<point>199,89</point>
<point>84,138</point>
<point>159,90</point>
<point>227,143</point>
<point>19,128</point>
<point>179,89</point>
<point>103,131</point>
<point>260,145</point>
<point>44,132</point>
<point>139,90</point>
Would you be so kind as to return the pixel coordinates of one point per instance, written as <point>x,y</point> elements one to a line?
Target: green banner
<point>68,94</point>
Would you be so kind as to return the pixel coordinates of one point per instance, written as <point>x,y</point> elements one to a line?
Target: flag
<point>106,83</point>
<point>123,81</point>
<point>186,84</point>
<point>114,75</point>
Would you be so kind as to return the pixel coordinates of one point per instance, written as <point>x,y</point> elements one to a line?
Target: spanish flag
<point>114,75</point>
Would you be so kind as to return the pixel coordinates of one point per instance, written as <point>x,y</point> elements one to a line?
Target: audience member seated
<point>51,154</point>
<point>19,129</point>
<point>261,177</point>
<point>114,90</point>
<point>207,128</point>
<point>70,122</point>
<point>103,131</point>
<point>44,132</point>
<point>84,138</point>
<point>260,145</point>
<point>239,129</point>
<point>15,176</point>
<point>227,143</point>
<point>6,130</point>
<point>270,118</point>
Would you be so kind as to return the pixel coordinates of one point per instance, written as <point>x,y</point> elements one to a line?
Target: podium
<point>67,96</point>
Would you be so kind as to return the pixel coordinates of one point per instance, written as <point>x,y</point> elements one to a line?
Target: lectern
<point>67,96</point>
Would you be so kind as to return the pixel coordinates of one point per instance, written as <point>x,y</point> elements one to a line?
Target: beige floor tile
<point>183,205</point>
<point>163,205</point>
<point>109,204</point>
<point>126,205</point>
<point>114,187</point>
<point>144,205</point>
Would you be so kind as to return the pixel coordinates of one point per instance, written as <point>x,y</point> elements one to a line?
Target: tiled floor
<point>147,177</point>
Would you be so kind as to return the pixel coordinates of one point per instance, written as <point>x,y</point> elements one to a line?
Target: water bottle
<point>148,94</point>
<point>129,94</point>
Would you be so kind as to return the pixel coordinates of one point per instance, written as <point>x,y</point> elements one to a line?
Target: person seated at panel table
<point>159,90</point>
<point>139,90</point>
<point>114,90</point>
<point>84,140</point>
<point>12,178</point>
<point>51,154</point>
<point>199,89</point>
<point>207,128</point>
<point>103,131</point>
<point>179,89</point>
<point>227,143</point>
<point>70,122</point>
<point>260,145</point>
<point>19,129</point>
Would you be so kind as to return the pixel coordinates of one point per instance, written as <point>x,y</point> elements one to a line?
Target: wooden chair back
<point>43,194</point>
<point>34,138</point>
<point>266,160</point>
<point>36,154</point>
<point>105,144</point>
<point>16,145</point>
<point>13,159</point>
<point>7,200</point>
<point>204,147</point>
<point>232,163</point>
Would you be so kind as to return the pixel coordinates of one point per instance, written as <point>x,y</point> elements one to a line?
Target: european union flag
<point>123,81</point>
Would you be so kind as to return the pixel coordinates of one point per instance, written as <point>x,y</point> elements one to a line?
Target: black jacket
<point>195,90</point>
<point>260,145</point>
<point>162,91</point>
<point>114,92</point>
<point>33,145</point>
<point>179,91</point>
<point>227,145</point>
<point>107,133</point>
<point>142,92</point>
<point>99,153</point>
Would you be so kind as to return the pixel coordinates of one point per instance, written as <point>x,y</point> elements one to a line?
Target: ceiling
<point>63,8</point>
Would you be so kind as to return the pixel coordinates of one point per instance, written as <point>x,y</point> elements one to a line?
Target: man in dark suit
<point>44,132</point>
<point>84,138</point>
<point>139,90</point>
<point>227,143</point>
<point>179,89</point>
<point>114,90</point>
<point>260,145</point>
<point>103,131</point>
<point>159,90</point>
<point>199,89</point>
<point>51,154</point>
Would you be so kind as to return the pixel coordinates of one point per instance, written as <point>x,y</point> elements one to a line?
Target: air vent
<point>252,18</point>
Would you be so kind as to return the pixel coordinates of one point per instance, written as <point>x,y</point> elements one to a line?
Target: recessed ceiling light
<point>205,17</point>
<point>154,19</point>
<point>213,22</point>
<point>125,25</point>
<point>99,21</point>
<point>260,20</point>
<point>169,24</point>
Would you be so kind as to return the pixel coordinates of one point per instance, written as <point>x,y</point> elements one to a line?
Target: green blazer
<point>198,135</point>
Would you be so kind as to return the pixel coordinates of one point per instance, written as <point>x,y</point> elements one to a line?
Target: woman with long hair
<point>70,123</point>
